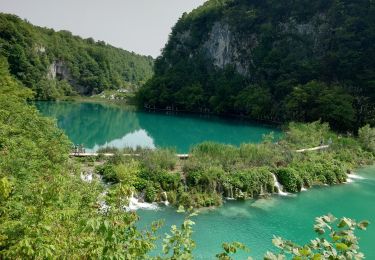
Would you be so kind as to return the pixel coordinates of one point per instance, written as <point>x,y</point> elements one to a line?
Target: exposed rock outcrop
<point>58,70</point>
<point>250,58</point>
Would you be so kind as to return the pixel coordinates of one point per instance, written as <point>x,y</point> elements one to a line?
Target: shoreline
<point>123,103</point>
<point>161,205</point>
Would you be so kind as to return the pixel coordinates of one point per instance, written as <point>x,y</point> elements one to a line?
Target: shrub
<point>160,159</point>
<point>107,171</point>
<point>172,197</point>
<point>366,136</point>
<point>168,181</point>
<point>290,179</point>
<point>150,193</point>
<point>127,173</point>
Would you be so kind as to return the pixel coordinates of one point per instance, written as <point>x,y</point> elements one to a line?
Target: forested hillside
<point>58,63</point>
<point>271,60</point>
<point>46,210</point>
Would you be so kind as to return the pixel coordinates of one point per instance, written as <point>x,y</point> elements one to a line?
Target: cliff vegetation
<point>271,60</point>
<point>55,64</point>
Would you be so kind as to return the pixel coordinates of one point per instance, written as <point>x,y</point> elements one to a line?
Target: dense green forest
<point>271,60</point>
<point>48,211</point>
<point>55,64</point>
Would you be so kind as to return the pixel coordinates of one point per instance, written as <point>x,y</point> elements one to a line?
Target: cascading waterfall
<point>230,194</point>
<point>103,206</point>
<point>135,204</point>
<point>87,177</point>
<point>352,177</point>
<point>261,190</point>
<point>165,197</point>
<point>279,186</point>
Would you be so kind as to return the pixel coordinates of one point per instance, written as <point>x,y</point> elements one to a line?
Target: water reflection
<point>138,138</point>
<point>97,125</point>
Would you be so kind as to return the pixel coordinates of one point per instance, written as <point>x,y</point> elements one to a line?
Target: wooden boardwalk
<point>76,154</point>
<point>322,147</point>
<point>180,156</point>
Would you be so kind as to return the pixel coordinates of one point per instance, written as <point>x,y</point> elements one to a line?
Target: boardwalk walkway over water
<point>180,156</point>
<point>321,147</point>
<point>77,154</point>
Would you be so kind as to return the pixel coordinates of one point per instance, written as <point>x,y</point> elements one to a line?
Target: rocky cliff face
<point>223,48</point>
<point>271,60</point>
<point>58,70</point>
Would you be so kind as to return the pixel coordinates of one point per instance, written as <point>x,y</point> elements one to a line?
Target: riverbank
<point>98,99</point>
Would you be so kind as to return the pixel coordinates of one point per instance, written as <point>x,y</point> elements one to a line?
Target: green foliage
<point>305,135</point>
<point>231,248</point>
<point>158,160</point>
<point>337,240</point>
<point>315,100</point>
<point>56,64</point>
<point>108,173</point>
<point>5,188</point>
<point>150,193</point>
<point>290,179</point>
<point>366,136</point>
<point>179,244</point>
<point>128,173</point>
<point>46,210</point>
<point>115,235</point>
<point>48,89</point>
<point>299,60</point>
<point>339,243</point>
<point>214,171</point>
<point>40,197</point>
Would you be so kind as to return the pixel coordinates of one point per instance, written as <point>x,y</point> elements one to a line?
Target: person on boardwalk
<point>80,149</point>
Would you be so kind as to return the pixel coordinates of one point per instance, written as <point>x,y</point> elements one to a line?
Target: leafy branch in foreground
<point>231,248</point>
<point>179,243</point>
<point>337,240</point>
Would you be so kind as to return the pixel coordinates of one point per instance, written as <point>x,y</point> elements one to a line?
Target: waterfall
<point>354,176</point>
<point>103,206</point>
<point>261,190</point>
<point>87,177</point>
<point>230,194</point>
<point>135,204</point>
<point>165,197</point>
<point>279,186</point>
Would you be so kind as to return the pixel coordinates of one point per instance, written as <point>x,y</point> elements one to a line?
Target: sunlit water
<point>255,222</point>
<point>96,125</point>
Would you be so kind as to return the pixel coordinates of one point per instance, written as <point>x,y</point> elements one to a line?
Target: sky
<point>141,26</point>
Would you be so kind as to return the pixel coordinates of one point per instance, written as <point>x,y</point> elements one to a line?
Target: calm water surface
<point>97,125</point>
<point>255,222</point>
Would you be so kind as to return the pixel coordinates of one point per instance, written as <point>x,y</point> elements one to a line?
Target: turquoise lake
<point>253,222</point>
<point>97,125</point>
